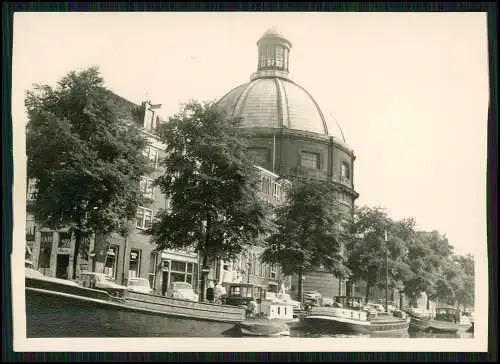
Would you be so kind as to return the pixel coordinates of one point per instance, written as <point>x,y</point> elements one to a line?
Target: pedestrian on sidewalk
<point>210,291</point>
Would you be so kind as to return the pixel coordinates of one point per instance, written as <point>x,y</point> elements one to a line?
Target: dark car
<point>240,294</point>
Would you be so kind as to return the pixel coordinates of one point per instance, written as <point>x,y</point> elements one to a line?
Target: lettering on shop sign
<point>46,237</point>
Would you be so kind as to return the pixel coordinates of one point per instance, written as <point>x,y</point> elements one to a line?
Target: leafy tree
<point>369,256</point>
<point>428,255</point>
<point>211,184</point>
<point>366,249</point>
<point>465,294</point>
<point>424,266</point>
<point>308,232</point>
<point>86,163</point>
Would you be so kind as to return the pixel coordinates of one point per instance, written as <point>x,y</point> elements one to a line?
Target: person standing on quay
<point>210,291</point>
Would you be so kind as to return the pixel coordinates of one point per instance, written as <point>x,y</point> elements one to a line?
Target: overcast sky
<point>410,90</point>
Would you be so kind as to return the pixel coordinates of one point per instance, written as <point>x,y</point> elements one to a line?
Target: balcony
<point>271,188</point>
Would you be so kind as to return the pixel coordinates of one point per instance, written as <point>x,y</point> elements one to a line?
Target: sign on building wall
<point>46,239</point>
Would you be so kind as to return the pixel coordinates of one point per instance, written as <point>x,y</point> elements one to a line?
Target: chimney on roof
<point>152,120</point>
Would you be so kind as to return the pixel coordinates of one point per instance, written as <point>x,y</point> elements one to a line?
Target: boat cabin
<point>448,314</point>
<point>238,294</point>
<point>350,302</point>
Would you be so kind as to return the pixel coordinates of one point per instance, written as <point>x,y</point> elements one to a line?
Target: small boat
<point>445,320</point>
<point>471,328</point>
<point>265,316</point>
<point>349,317</point>
<point>62,308</point>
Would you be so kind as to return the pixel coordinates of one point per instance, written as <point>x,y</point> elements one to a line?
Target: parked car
<point>101,281</point>
<point>312,298</point>
<point>140,285</point>
<point>376,306</point>
<point>372,311</point>
<point>327,301</point>
<point>33,273</point>
<point>182,290</point>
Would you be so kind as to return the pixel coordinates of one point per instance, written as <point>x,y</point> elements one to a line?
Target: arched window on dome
<point>262,58</point>
<point>279,57</point>
<point>270,56</point>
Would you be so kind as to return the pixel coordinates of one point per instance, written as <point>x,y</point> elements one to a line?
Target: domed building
<point>293,137</point>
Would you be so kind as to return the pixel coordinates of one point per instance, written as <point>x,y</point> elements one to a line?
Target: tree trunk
<point>401,295</point>
<point>367,292</point>
<point>300,286</point>
<point>203,279</point>
<point>76,253</point>
<point>428,305</point>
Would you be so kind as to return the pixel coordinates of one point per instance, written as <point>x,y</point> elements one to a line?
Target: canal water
<point>301,333</point>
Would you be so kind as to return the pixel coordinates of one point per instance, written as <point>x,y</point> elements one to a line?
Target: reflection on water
<point>459,335</point>
<point>302,333</point>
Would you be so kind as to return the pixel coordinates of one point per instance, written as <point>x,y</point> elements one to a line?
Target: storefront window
<point>135,263</point>
<point>183,272</point>
<point>111,262</point>
<point>30,230</point>
<point>64,240</point>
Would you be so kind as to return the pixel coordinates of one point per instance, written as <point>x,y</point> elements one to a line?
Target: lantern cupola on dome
<point>274,51</point>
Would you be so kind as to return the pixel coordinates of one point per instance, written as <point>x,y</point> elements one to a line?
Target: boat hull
<point>324,323</point>
<point>264,328</point>
<point>185,308</point>
<point>430,325</point>
<point>58,310</point>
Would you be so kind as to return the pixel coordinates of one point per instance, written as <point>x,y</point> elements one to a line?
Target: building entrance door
<point>62,265</point>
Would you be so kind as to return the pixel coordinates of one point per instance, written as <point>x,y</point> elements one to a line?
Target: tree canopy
<point>418,261</point>
<point>85,161</point>
<point>211,184</point>
<point>308,231</point>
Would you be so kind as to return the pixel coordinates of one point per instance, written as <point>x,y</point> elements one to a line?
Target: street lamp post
<point>386,272</point>
<point>123,261</point>
<point>301,293</point>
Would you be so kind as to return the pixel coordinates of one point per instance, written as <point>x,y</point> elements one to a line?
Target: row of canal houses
<point>51,251</point>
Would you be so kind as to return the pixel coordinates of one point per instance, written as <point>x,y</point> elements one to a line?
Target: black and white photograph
<point>250,181</point>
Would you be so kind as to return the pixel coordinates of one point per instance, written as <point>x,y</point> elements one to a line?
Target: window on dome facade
<point>285,59</point>
<point>259,155</point>
<point>309,160</point>
<point>345,171</point>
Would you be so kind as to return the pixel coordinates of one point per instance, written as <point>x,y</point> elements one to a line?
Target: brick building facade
<point>121,258</point>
